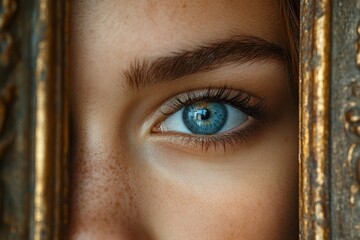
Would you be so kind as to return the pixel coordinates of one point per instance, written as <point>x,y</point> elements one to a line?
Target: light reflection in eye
<point>204,118</point>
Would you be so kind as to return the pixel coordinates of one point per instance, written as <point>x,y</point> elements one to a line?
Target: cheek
<point>103,193</point>
<point>255,212</point>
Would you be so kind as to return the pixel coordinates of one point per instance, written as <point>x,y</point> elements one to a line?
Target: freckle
<point>184,5</point>
<point>112,167</point>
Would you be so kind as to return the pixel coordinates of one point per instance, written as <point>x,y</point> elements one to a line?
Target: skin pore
<point>136,174</point>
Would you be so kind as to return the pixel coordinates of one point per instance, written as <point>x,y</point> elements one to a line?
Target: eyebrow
<point>234,50</point>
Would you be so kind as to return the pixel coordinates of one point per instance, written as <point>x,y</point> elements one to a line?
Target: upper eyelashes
<point>252,105</point>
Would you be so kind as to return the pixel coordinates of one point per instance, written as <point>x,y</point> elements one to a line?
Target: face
<point>183,124</point>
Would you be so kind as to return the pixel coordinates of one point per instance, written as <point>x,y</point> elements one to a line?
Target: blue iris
<point>205,118</point>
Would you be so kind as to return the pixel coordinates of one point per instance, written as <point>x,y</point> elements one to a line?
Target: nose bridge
<point>103,199</point>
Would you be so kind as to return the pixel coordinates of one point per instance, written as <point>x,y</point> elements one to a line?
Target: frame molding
<point>51,123</point>
<point>314,159</point>
<point>33,119</point>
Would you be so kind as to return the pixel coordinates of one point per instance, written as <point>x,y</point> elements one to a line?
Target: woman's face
<point>183,123</point>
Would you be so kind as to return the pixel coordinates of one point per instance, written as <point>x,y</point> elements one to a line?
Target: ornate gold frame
<point>330,119</point>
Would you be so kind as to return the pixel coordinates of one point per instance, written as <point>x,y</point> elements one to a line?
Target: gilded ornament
<point>6,39</point>
<point>352,117</point>
<point>358,46</point>
<point>9,8</point>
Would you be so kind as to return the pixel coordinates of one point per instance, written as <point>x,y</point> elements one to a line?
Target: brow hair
<point>236,49</point>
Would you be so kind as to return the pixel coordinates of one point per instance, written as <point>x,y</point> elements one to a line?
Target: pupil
<point>204,114</point>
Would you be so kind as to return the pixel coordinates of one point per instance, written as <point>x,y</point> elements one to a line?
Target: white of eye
<point>175,122</point>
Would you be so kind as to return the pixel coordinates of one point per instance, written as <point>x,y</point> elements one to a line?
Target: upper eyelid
<point>175,103</point>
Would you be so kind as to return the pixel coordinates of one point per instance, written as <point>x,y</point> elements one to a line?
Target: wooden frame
<point>314,119</point>
<point>33,149</point>
<point>51,124</point>
<point>330,119</point>
<point>34,119</point>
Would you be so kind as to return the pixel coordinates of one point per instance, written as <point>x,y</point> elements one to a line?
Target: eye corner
<point>158,128</point>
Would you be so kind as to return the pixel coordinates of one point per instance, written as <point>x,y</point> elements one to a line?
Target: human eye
<point>212,117</point>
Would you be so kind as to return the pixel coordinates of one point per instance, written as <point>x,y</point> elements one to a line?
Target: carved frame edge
<point>315,62</point>
<point>51,127</point>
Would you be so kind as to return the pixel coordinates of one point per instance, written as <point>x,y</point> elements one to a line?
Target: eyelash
<point>237,98</point>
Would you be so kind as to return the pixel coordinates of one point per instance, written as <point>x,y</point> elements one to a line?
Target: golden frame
<point>314,119</point>
<point>51,125</point>
<point>34,120</point>
<point>330,120</point>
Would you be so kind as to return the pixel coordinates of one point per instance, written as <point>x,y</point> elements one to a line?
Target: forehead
<point>160,25</point>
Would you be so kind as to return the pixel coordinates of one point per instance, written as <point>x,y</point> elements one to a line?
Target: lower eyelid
<point>215,144</point>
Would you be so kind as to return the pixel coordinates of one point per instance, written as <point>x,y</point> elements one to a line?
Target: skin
<point>129,183</point>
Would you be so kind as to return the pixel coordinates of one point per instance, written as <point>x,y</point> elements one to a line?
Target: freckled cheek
<point>103,192</point>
